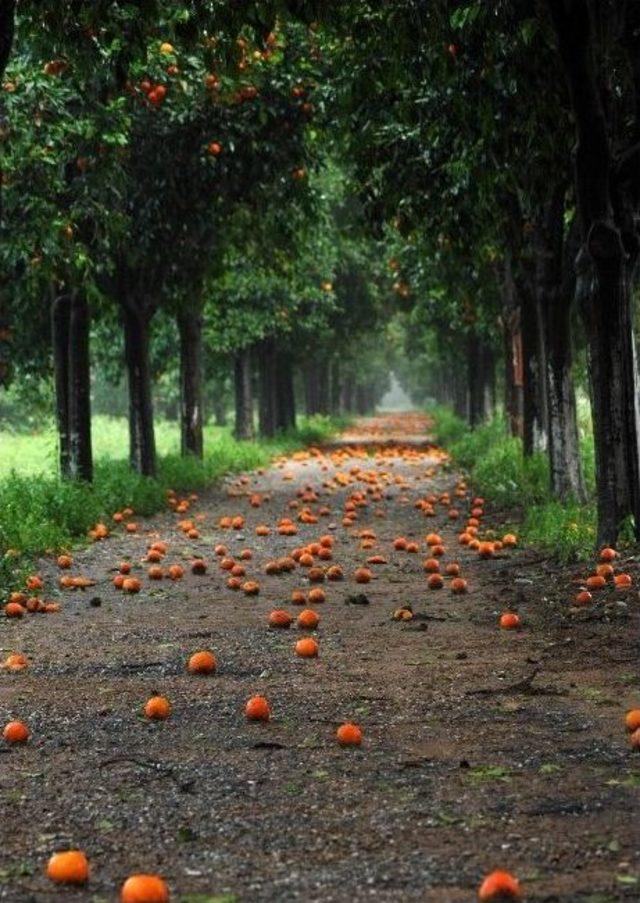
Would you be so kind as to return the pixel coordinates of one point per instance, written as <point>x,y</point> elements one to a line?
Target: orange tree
<point>176,140</point>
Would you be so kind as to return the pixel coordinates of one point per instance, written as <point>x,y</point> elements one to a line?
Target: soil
<point>483,748</point>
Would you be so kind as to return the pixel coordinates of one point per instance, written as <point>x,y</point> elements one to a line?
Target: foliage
<point>519,486</point>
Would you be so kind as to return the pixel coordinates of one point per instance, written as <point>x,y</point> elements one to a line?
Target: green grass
<point>498,470</point>
<point>38,511</point>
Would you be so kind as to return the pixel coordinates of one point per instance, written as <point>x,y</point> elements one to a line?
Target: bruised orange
<point>279,618</point>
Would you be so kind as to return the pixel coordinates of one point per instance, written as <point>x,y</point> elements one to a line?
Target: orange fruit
<point>316,596</point>
<point>622,581</point>
<point>608,554</point>
<point>251,588</point>
<point>64,561</point>
<point>157,708</point>
<point>298,597</point>
<point>583,598</point>
<point>202,663</point>
<point>308,619</point>
<point>307,648</point>
<point>485,550</point>
<point>596,582</point>
<point>605,570</point>
<point>498,887</point>
<point>13,610</point>
<point>458,585</point>
<point>15,732</point>
<point>509,620</point>
<point>431,565</point>
<point>349,735</point>
<point>509,540</point>
<point>335,572</point>
<point>144,889</point>
<point>452,569</point>
<point>124,567</point>
<point>155,572</point>
<point>400,543</point>
<point>632,720</point>
<point>280,618</point>
<point>435,581</point>
<point>131,585</point>
<point>15,662</point>
<point>257,709</point>
<point>68,867</point>
<point>362,575</point>
<point>176,572</point>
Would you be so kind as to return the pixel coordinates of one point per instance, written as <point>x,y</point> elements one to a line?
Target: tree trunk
<point>607,194</point>
<point>79,393</point>
<point>347,400</point>
<point>243,389</point>
<point>605,297</point>
<point>479,378</point>
<point>267,389</point>
<point>534,392</point>
<point>285,392</point>
<point>142,442</point>
<point>460,395</point>
<point>60,317</point>
<point>191,413</point>
<point>555,282</point>
<point>336,387</point>
<point>512,335</point>
<point>324,390</point>
<point>72,378</point>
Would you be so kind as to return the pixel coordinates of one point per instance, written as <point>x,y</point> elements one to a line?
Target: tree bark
<point>534,431</point>
<point>336,386</point>
<point>191,413</point>
<point>60,316</point>
<point>70,323</point>
<point>142,442</point>
<point>512,336</point>
<point>555,281</point>
<point>608,198</point>
<point>285,392</point>
<point>79,395</point>
<point>267,404</point>
<point>243,389</point>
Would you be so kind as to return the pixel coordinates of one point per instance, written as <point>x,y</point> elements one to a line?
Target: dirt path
<point>482,748</point>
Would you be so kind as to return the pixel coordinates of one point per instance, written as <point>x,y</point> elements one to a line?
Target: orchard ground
<point>482,748</point>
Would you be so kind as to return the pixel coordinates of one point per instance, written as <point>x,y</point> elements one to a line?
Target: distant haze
<point>396,399</point>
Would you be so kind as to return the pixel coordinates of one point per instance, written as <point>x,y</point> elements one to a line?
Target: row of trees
<point>272,174</point>
<point>174,161</point>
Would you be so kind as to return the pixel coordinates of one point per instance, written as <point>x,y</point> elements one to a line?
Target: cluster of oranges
<point>604,576</point>
<point>365,490</point>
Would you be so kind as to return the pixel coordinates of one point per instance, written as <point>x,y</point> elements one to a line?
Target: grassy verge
<point>39,512</point>
<point>498,470</point>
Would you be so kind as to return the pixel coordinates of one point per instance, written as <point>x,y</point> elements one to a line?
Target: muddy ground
<point>482,748</point>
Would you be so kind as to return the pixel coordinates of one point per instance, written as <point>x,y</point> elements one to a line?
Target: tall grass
<point>498,470</point>
<point>40,512</point>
